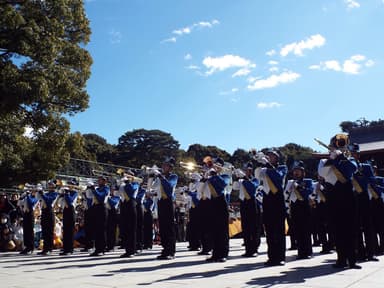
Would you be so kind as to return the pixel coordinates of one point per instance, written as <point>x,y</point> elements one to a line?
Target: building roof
<point>372,146</point>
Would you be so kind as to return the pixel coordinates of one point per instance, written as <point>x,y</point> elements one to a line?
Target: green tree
<point>145,147</point>
<point>43,72</point>
<point>198,152</point>
<point>99,148</point>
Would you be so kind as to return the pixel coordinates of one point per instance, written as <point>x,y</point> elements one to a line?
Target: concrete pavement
<point>187,270</point>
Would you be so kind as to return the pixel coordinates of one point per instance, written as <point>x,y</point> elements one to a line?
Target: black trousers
<point>47,226</point>
<point>301,216</point>
<point>148,230</point>
<point>128,225</point>
<point>100,223</point>
<point>166,212</point>
<point>274,222</point>
<point>325,228</point>
<point>139,227</point>
<point>251,225</point>
<point>68,228</point>
<point>89,228</point>
<point>204,210</point>
<point>343,209</point>
<point>111,228</point>
<point>193,229</point>
<point>366,245</point>
<point>219,216</point>
<point>28,231</point>
<point>378,224</point>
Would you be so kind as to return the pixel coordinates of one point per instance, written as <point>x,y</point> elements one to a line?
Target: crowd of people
<point>341,210</point>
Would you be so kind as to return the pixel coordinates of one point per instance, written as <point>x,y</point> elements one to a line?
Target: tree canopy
<point>43,72</point>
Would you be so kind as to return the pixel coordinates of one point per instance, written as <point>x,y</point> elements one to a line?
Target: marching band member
<point>249,209</point>
<point>204,209</point>
<point>193,227</point>
<point>47,201</point>
<point>166,210</point>
<point>149,206</point>
<point>113,202</point>
<point>338,170</point>
<point>214,189</point>
<point>325,229</point>
<point>128,215</point>
<point>27,203</point>
<point>378,214</point>
<point>300,189</point>
<point>362,181</point>
<point>272,176</point>
<point>100,194</point>
<point>69,203</point>
<point>88,217</point>
<point>140,219</point>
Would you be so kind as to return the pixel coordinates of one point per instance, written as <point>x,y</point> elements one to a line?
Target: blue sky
<point>234,74</point>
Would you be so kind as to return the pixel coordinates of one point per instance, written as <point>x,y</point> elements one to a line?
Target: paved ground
<point>187,270</point>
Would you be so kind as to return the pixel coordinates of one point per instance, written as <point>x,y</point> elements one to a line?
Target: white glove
<point>261,158</point>
<point>333,154</point>
<point>156,172</point>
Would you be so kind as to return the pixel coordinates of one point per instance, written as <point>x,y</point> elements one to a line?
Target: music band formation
<point>345,206</point>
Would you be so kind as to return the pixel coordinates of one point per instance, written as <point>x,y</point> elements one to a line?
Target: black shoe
<point>325,251</point>
<point>302,257</point>
<point>44,253</point>
<point>26,252</point>
<point>126,255</point>
<point>204,253</point>
<point>354,266</point>
<point>96,253</point>
<point>64,253</point>
<point>293,248</point>
<point>373,259</point>
<point>165,257</point>
<point>339,265</point>
<point>222,260</point>
<point>84,250</point>
<point>193,249</point>
<point>249,255</point>
<point>138,252</point>
<point>210,259</point>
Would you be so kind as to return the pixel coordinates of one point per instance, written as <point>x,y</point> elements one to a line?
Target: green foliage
<point>145,147</point>
<point>198,152</point>
<point>348,126</point>
<point>98,148</point>
<point>43,72</point>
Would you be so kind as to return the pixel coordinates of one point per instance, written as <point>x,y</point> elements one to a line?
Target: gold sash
<point>356,185</point>
<point>212,190</point>
<point>271,185</point>
<point>373,192</point>
<point>340,177</point>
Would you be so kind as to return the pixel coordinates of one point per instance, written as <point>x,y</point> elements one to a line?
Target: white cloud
<point>215,64</point>
<point>270,52</point>
<point>182,31</point>
<point>172,39</point>
<point>265,105</point>
<point>332,65</point>
<point>298,47</point>
<point>241,72</point>
<point>232,91</point>
<point>370,63</point>
<point>187,56</point>
<point>115,37</point>
<point>193,67</point>
<point>274,69</point>
<point>353,65</point>
<point>274,80</point>
<point>273,62</point>
<point>189,29</point>
<point>351,4</point>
